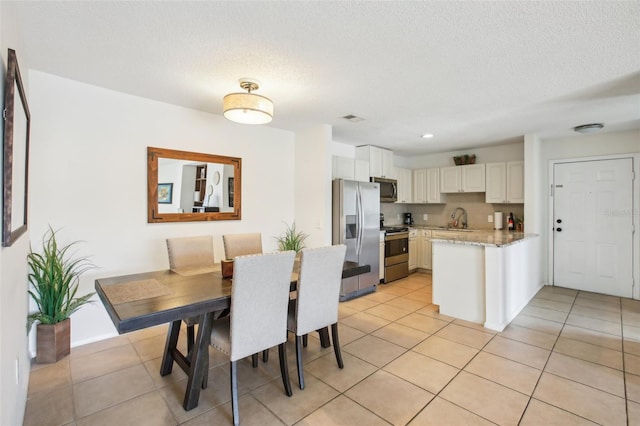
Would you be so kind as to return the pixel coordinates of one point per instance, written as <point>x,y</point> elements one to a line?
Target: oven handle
<point>397,236</point>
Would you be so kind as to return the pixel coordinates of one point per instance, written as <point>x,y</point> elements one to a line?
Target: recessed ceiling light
<point>427,135</point>
<point>353,118</point>
<point>589,128</point>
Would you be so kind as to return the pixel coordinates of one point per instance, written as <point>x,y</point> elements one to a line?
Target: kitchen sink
<point>446,228</point>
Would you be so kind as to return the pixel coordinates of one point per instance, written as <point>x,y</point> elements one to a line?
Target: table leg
<point>198,362</point>
<point>172,341</point>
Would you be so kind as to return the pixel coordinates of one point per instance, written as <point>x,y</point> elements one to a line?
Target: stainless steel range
<point>396,252</point>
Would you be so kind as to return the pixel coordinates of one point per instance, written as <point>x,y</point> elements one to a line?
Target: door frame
<point>635,194</point>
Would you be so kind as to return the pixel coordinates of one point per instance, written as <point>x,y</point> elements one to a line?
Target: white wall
<point>539,152</point>
<point>313,150</point>
<point>13,265</point>
<point>89,179</point>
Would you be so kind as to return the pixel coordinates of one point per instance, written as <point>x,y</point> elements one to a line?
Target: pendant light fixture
<point>248,108</point>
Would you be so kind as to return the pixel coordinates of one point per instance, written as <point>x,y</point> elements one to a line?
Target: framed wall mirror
<point>16,154</point>
<point>195,191</point>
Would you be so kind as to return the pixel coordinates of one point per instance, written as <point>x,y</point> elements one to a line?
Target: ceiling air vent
<point>353,118</point>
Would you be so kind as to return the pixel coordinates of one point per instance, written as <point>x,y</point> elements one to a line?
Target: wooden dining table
<point>147,299</point>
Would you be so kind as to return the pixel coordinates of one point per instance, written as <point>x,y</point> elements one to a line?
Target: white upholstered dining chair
<point>191,256</point>
<point>316,306</point>
<point>242,244</point>
<point>258,318</point>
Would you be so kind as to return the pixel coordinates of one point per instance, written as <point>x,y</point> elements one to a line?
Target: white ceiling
<point>472,73</point>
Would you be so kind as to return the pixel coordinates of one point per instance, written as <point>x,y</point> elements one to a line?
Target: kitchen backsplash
<point>440,214</point>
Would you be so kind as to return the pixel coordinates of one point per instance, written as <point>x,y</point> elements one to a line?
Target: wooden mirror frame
<point>153,216</point>
<point>10,213</point>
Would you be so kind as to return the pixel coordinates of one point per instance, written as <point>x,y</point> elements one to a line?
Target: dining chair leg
<point>234,393</point>
<point>265,355</point>
<point>336,344</point>
<point>254,360</point>
<point>284,369</point>
<point>305,340</point>
<point>323,333</point>
<point>299,361</point>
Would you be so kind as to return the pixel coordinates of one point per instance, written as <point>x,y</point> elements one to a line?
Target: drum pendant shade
<point>248,108</point>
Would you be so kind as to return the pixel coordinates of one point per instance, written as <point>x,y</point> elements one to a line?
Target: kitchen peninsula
<point>486,277</point>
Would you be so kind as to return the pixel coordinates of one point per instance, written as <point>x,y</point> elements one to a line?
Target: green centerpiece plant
<point>54,277</point>
<point>291,239</point>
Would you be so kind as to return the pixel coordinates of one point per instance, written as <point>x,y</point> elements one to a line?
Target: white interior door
<point>593,226</point>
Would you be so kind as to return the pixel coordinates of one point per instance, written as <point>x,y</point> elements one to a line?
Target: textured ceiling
<point>471,73</point>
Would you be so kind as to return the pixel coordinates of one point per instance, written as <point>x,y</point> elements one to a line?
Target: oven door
<point>396,248</point>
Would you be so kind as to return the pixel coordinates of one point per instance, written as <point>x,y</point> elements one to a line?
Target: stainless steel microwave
<point>388,189</point>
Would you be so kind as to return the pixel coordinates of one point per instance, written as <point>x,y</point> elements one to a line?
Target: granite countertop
<point>482,238</point>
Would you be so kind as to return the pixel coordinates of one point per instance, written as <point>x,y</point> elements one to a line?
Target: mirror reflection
<point>186,186</point>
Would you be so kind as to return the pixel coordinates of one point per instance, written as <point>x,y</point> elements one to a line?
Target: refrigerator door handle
<point>359,213</point>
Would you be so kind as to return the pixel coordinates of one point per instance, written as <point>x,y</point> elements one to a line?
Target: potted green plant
<point>53,276</point>
<point>291,239</point>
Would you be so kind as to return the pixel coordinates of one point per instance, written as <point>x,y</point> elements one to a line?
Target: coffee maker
<point>408,219</point>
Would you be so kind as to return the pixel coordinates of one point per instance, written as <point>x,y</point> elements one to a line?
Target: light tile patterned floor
<point>569,358</point>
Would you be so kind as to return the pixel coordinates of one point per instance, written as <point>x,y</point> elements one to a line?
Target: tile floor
<point>570,358</point>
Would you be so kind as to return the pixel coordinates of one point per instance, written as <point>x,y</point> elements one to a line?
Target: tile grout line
<point>547,362</point>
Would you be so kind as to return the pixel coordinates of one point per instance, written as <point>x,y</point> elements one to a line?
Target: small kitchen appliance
<point>408,219</point>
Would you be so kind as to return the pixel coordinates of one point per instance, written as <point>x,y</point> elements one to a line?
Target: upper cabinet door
<point>505,182</point>
<point>496,183</point>
<point>380,160</point>
<point>420,186</point>
<point>473,179</point>
<point>434,195</point>
<point>405,186</point>
<point>469,178</point>
<point>450,179</point>
<point>386,160</point>
<point>515,181</point>
<point>343,168</point>
<point>375,163</point>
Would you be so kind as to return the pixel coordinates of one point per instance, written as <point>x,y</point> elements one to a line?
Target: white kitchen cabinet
<point>515,182</point>
<point>343,168</point>
<point>505,182</point>
<point>361,171</point>
<point>348,168</point>
<point>469,178</point>
<point>424,250</point>
<point>404,178</point>
<point>419,186</point>
<point>426,186</point>
<point>434,196</point>
<point>380,160</point>
<point>413,249</point>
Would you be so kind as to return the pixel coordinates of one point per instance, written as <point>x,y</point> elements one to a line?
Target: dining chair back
<point>242,244</point>
<point>316,306</point>
<point>191,255</point>
<point>258,319</point>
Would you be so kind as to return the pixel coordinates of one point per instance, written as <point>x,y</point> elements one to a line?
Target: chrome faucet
<point>463,216</point>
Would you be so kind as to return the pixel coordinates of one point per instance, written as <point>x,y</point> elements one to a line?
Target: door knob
<point>559,229</point>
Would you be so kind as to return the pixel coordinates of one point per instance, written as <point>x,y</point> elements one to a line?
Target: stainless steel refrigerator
<point>356,224</point>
